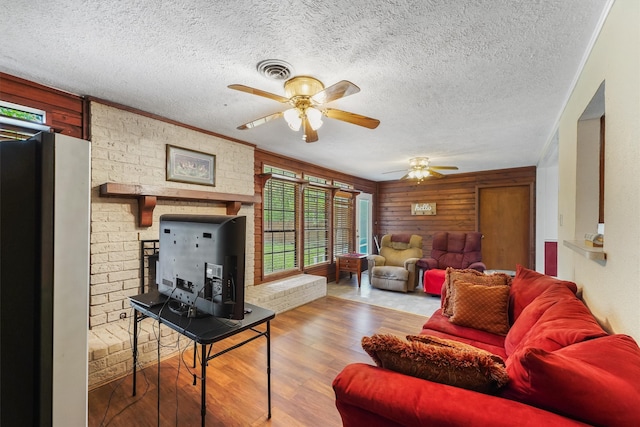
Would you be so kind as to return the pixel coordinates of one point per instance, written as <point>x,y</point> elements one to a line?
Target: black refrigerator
<point>44,280</point>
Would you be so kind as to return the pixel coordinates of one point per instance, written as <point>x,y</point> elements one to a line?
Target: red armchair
<point>459,250</point>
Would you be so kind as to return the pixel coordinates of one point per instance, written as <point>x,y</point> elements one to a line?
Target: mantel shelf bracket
<point>148,196</point>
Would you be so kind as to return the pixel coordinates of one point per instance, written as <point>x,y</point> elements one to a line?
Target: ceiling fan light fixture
<point>418,174</point>
<point>418,162</point>
<point>293,118</point>
<point>418,168</point>
<point>306,95</point>
<point>302,86</point>
<point>315,118</point>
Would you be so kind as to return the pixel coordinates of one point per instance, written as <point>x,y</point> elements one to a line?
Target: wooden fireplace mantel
<point>147,196</point>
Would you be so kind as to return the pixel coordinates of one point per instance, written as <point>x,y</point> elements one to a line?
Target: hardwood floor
<point>309,346</point>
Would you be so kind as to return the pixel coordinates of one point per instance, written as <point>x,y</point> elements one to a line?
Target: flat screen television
<point>201,263</point>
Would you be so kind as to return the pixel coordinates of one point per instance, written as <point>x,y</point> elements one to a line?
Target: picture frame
<point>193,167</point>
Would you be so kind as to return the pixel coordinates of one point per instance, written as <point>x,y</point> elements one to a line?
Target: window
<point>343,223</point>
<point>316,225</point>
<point>20,122</point>
<point>280,222</point>
<point>305,221</point>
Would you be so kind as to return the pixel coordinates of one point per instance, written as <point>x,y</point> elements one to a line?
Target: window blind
<point>343,225</point>
<point>280,222</point>
<point>316,225</point>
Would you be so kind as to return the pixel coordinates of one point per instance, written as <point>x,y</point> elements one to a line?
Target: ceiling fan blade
<point>356,119</point>
<point>401,170</point>
<point>310,135</point>
<point>453,168</point>
<point>405,177</point>
<point>254,91</point>
<point>339,90</point>
<point>435,174</point>
<point>260,121</point>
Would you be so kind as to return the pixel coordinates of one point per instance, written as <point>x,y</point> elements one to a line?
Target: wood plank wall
<point>66,113</point>
<point>455,198</point>
<point>270,159</point>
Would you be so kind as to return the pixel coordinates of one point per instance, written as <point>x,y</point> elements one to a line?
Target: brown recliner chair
<point>395,268</point>
<point>460,250</point>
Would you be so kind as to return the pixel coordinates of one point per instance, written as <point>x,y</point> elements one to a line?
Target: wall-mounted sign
<point>423,209</point>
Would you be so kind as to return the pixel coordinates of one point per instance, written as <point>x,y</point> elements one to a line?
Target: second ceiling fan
<point>307,96</point>
<point>420,168</point>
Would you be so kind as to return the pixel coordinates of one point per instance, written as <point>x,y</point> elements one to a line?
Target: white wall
<point>546,201</point>
<point>546,211</point>
<point>612,290</point>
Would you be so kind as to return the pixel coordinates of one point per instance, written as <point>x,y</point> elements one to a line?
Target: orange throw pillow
<point>481,307</point>
<point>468,275</point>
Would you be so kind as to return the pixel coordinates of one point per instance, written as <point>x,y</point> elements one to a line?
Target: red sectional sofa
<point>563,369</point>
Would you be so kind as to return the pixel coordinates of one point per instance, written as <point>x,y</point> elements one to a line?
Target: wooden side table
<point>353,263</point>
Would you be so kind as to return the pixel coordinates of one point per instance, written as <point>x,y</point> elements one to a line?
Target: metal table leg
<point>203,386</point>
<point>135,348</point>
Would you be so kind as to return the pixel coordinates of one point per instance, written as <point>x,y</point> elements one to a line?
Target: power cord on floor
<point>106,411</point>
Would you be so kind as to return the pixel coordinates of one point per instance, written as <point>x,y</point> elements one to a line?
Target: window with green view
<point>280,224</point>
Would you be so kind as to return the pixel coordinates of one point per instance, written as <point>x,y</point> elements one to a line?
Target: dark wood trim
<point>64,111</point>
<point>86,119</point>
<point>346,192</point>
<point>264,177</point>
<point>147,196</point>
<point>146,205</point>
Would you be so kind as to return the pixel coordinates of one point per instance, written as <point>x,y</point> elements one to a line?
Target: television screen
<point>201,263</point>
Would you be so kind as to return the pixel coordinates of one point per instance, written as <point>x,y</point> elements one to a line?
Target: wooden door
<point>506,220</point>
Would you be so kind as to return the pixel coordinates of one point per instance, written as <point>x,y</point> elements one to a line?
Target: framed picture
<point>190,166</point>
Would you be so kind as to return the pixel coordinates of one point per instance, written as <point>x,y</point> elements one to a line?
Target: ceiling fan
<point>307,97</point>
<point>420,168</point>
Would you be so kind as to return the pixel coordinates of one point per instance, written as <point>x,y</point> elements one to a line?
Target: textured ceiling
<point>478,84</point>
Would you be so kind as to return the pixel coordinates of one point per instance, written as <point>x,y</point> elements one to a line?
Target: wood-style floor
<point>309,346</point>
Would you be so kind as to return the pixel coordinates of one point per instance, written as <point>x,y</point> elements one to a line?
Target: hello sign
<point>423,209</point>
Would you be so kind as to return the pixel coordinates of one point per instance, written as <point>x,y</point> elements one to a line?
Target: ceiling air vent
<point>275,69</point>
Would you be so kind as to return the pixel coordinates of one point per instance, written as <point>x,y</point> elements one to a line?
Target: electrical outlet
<point>123,315</point>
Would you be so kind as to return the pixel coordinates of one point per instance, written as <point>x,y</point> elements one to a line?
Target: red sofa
<point>564,370</point>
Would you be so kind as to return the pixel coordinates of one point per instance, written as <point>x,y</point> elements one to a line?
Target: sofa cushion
<point>532,313</point>
<point>470,369</point>
<point>527,285</point>
<point>468,275</point>
<point>440,326</point>
<point>566,322</point>
<point>493,349</point>
<point>595,381</point>
<point>481,307</point>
